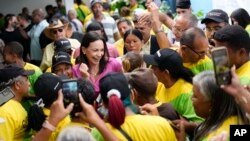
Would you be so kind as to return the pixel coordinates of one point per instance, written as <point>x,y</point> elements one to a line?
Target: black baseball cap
<point>9,72</point>
<point>183,4</point>
<point>47,86</point>
<point>216,15</point>
<point>114,81</point>
<point>61,58</point>
<point>165,59</point>
<point>62,45</point>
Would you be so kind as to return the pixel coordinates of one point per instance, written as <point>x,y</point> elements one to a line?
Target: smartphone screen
<point>70,91</point>
<point>221,65</point>
<point>5,95</point>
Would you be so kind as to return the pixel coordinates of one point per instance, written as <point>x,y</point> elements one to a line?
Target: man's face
<point>58,33</point>
<point>180,11</point>
<point>212,27</point>
<point>179,27</point>
<point>97,9</point>
<point>123,27</point>
<point>233,57</point>
<point>8,57</point>
<point>197,51</point>
<point>145,29</point>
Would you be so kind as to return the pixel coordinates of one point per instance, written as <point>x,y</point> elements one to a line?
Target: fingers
<point>69,108</point>
<point>60,95</point>
<point>233,71</point>
<point>82,102</point>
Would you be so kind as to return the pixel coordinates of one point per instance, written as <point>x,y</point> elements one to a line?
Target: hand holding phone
<point>221,65</point>
<point>70,94</point>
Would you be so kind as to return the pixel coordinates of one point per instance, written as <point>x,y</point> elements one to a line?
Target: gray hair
<point>75,133</point>
<point>191,18</point>
<point>205,81</point>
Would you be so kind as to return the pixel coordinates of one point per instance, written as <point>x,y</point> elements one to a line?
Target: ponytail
<point>116,110</point>
<point>187,75</point>
<point>36,117</point>
<point>126,65</point>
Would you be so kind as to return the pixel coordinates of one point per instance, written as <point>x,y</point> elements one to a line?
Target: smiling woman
<point>94,61</point>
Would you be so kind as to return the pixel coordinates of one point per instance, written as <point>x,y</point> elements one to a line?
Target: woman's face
<point>201,105</point>
<point>94,52</point>
<point>133,43</point>
<point>64,69</point>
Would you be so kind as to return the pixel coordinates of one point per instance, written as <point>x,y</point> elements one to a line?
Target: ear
<point>83,49</point>
<point>242,52</point>
<point>133,94</point>
<point>166,72</point>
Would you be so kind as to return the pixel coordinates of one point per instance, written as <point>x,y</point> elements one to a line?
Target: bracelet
<point>159,30</point>
<point>49,126</point>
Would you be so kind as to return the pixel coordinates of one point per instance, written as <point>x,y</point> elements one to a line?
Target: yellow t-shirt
<point>179,96</point>
<point>15,121</point>
<point>32,78</point>
<point>164,94</point>
<point>143,128</point>
<point>244,73</point>
<point>225,126</point>
<point>120,46</point>
<point>59,127</point>
<point>200,66</point>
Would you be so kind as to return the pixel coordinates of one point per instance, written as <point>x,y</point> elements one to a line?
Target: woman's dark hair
<point>93,26</point>
<point>46,88</point>
<point>88,38</point>
<point>135,32</point>
<point>241,16</point>
<point>174,64</point>
<point>223,105</point>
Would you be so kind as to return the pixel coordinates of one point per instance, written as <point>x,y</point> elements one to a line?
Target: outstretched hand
<point>88,114</point>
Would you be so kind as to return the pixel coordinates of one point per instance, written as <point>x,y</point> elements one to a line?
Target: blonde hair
<point>131,61</point>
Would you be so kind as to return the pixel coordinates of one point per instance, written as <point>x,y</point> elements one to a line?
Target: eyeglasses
<point>54,31</point>
<point>200,54</point>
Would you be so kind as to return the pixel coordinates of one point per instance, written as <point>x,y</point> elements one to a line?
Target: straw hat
<point>54,24</point>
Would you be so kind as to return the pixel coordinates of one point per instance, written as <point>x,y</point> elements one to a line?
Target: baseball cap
<point>165,59</point>
<point>61,58</point>
<point>114,81</point>
<point>183,4</point>
<point>143,80</point>
<point>93,2</point>
<point>62,45</point>
<point>9,72</point>
<point>216,15</point>
<point>47,86</point>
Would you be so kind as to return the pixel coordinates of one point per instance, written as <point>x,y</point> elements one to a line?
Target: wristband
<point>49,126</point>
<point>159,30</point>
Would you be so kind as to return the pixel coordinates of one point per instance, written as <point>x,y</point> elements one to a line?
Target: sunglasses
<point>56,30</point>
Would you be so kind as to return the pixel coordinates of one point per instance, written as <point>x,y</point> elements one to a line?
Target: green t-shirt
<point>200,66</point>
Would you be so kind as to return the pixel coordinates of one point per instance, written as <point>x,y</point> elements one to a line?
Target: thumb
<point>70,107</point>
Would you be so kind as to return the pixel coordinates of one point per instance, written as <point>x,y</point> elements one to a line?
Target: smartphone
<point>70,94</point>
<point>221,65</point>
<point>5,95</point>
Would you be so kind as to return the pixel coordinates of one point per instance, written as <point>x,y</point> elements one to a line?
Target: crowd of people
<point>141,75</point>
